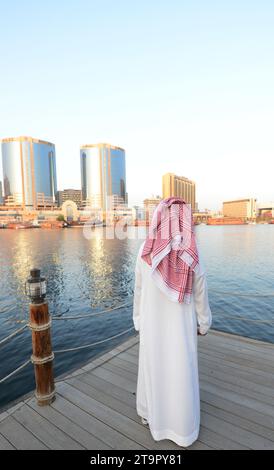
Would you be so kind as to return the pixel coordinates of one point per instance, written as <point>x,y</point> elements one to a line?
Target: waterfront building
<point>179,186</point>
<point>70,211</point>
<point>121,214</point>
<point>242,208</point>
<point>150,205</point>
<point>265,210</point>
<point>29,172</point>
<point>139,212</point>
<point>201,216</point>
<point>103,176</point>
<point>74,195</point>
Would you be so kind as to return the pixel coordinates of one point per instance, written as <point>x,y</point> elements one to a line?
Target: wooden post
<point>42,356</point>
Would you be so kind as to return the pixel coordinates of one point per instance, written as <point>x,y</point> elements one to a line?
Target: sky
<point>184,86</point>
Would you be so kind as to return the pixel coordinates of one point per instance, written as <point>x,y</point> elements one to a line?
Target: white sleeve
<point>200,293</point>
<point>137,295</point>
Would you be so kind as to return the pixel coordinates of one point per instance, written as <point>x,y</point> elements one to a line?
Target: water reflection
<point>87,275</point>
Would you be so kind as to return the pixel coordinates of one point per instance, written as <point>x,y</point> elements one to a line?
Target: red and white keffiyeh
<point>170,249</point>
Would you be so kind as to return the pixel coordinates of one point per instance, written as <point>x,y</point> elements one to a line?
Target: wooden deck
<point>95,406</point>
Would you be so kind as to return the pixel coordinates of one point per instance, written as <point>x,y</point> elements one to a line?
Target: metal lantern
<point>36,287</point>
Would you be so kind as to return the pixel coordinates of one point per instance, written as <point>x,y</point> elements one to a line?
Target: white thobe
<point>168,382</point>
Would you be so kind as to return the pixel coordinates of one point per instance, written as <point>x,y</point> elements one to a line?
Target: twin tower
<point>30,176</point>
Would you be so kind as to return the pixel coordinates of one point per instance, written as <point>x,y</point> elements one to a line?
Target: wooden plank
<point>76,373</point>
<point>121,407</point>
<point>256,403</point>
<point>235,362</point>
<point>127,347</point>
<point>216,441</point>
<point>220,391</point>
<point>114,403</point>
<point>45,431</point>
<point>130,411</point>
<point>230,338</point>
<point>11,410</point>
<point>243,437</point>
<point>237,337</point>
<point>119,371</point>
<point>242,387</point>
<point>130,385</point>
<point>109,388</point>
<point>239,353</point>
<point>128,357</point>
<point>3,415</point>
<point>198,445</point>
<point>19,436</point>
<point>253,389</point>
<point>233,395</point>
<point>245,442</point>
<point>5,444</point>
<point>206,366</point>
<point>244,350</point>
<point>216,399</point>
<point>126,426</point>
<point>259,375</point>
<point>96,363</point>
<point>128,342</point>
<point>71,430</point>
<point>231,344</point>
<point>239,421</point>
<point>110,354</point>
<point>241,347</point>
<point>133,352</point>
<point>117,361</point>
<point>106,399</point>
<point>239,359</point>
<point>96,407</point>
<point>248,403</point>
<point>110,436</point>
<point>253,357</point>
<point>111,377</point>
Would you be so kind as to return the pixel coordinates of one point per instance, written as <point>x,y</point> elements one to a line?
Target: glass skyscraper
<point>29,172</point>
<point>103,176</point>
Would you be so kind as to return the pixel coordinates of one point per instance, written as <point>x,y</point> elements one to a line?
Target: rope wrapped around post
<point>40,324</point>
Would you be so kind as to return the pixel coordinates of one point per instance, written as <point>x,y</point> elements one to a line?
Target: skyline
<point>99,145</point>
<point>186,89</point>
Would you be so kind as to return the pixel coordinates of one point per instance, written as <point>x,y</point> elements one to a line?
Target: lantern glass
<point>37,289</point>
<point>36,286</point>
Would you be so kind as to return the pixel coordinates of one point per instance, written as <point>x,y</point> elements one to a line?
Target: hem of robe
<point>185,441</point>
<point>172,436</point>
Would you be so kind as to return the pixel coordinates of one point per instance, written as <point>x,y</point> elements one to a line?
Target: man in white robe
<point>167,395</point>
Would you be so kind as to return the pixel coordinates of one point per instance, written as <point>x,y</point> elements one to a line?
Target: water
<point>86,276</point>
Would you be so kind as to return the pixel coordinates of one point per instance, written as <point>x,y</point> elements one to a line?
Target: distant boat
<point>19,225</point>
<point>226,221</point>
<point>52,225</point>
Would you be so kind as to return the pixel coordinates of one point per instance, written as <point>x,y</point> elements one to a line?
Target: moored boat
<point>19,225</point>
<point>226,221</point>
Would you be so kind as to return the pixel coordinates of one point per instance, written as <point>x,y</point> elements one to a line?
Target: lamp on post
<point>40,323</point>
<point>36,287</point>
